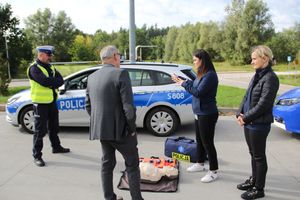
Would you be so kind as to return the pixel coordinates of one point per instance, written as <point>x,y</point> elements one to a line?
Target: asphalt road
<point>76,176</point>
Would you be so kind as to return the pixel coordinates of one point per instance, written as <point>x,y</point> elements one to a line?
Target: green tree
<point>122,42</point>
<point>177,45</point>
<point>232,22</point>
<point>18,45</point>
<point>246,25</point>
<point>3,76</point>
<point>159,42</point>
<point>169,44</point>
<point>286,43</point>
<point>100,40</point>
<point>44,28</point>
<point>82,49</point>
<point>39,27</point>
<point>256,27</point>
<point>63,34</point>
<point>188,43</point>
<point>210,39</point>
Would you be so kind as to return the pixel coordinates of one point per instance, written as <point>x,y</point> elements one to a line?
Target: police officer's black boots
<point>60,149</point>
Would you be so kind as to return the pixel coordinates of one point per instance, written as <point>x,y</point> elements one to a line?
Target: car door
<point>71,103</point>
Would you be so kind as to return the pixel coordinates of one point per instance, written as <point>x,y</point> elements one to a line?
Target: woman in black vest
<point>255,115</point>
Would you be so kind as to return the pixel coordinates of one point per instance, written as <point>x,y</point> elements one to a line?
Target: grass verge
<point>290,79</point>
<point>230,97</point>
<point>12,91</point>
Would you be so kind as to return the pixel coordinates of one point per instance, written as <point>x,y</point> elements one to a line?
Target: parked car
<point>287,111</point>
<point>161,104</point>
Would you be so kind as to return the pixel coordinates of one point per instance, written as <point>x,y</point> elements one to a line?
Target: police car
<point>161,104</point>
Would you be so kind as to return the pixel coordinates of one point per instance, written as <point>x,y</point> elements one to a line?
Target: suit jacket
<point>109,102</point>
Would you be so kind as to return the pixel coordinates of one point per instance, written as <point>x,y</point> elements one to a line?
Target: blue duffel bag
<point>181,148</point>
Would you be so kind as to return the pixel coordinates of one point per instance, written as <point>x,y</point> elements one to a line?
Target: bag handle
<point>184,138</point>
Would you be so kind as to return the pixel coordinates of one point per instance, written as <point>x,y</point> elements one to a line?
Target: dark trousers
<point>128,149</point>
<point>205,132</point>
<point>256,141</point>
<point>45,121</point>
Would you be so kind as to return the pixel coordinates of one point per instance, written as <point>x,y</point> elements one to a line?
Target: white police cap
<point>46,49</point>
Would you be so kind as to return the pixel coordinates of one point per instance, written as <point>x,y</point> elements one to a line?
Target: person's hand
<point>133,133</point>
<point>240,120</point>
<point>176,79</point>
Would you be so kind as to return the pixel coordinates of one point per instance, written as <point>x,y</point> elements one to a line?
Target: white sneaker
<point>209,177</point>
<point>196,167</point>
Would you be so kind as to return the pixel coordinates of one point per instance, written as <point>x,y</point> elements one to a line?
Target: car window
<point>151,77</point>
<point>141,77</point>
<point>163,78</point>
<point>78,82</point>
<point>147,78</point>
<point>135,76</point>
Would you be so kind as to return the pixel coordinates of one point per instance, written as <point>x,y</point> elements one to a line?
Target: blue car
<point>287,111</point>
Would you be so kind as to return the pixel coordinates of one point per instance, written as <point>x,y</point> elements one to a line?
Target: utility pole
<point>131,32</point>
<point>7,56</point>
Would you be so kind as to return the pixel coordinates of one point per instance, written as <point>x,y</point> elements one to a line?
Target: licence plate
<point>182,157</point>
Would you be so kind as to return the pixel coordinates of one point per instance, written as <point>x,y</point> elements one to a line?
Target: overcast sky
<point>91,15</point>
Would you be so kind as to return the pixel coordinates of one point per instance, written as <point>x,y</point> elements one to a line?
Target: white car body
<point>147,96</point>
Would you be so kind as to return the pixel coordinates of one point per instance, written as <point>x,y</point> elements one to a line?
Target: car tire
<point>27,119</point>
<point>162,121</point>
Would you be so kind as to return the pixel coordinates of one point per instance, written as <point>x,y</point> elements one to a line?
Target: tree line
<point>247,23</point>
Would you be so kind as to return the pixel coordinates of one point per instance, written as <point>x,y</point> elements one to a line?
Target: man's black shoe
<point>253,193</point>
<point>39,162</point>
<point>249,183</point>
<point>60,150</point>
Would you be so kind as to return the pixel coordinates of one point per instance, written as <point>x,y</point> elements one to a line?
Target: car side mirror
<point>62,89</point>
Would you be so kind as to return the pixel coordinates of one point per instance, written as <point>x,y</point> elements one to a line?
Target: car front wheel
<point>162,121</point>
<point>27,119</point>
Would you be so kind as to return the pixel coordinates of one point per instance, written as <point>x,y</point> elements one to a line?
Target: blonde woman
<point>255,116</point>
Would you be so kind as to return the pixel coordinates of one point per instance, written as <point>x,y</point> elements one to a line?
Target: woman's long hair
<point>206,63</point>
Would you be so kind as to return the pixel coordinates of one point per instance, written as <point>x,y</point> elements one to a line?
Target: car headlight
<point>12,100</point>
<point>288,102</point>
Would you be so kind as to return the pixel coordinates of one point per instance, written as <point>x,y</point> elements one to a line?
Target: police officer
<point>44,81</point>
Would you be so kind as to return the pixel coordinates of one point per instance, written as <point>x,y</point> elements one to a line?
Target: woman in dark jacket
<point>204,90</point>
<point>255,115</point>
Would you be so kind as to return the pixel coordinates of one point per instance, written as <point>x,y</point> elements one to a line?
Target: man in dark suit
<point>109,102</point>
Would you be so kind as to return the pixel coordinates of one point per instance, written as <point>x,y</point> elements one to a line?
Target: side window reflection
<point>135,76</point>
<point>141,77</point>
<point>78,82</point>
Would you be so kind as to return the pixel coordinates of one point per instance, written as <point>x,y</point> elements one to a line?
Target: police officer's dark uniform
<point>44,81</point>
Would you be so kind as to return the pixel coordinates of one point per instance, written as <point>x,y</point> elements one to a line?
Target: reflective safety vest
<point>39,93</point>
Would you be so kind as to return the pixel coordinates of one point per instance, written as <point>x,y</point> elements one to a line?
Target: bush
<point>22,70</point>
